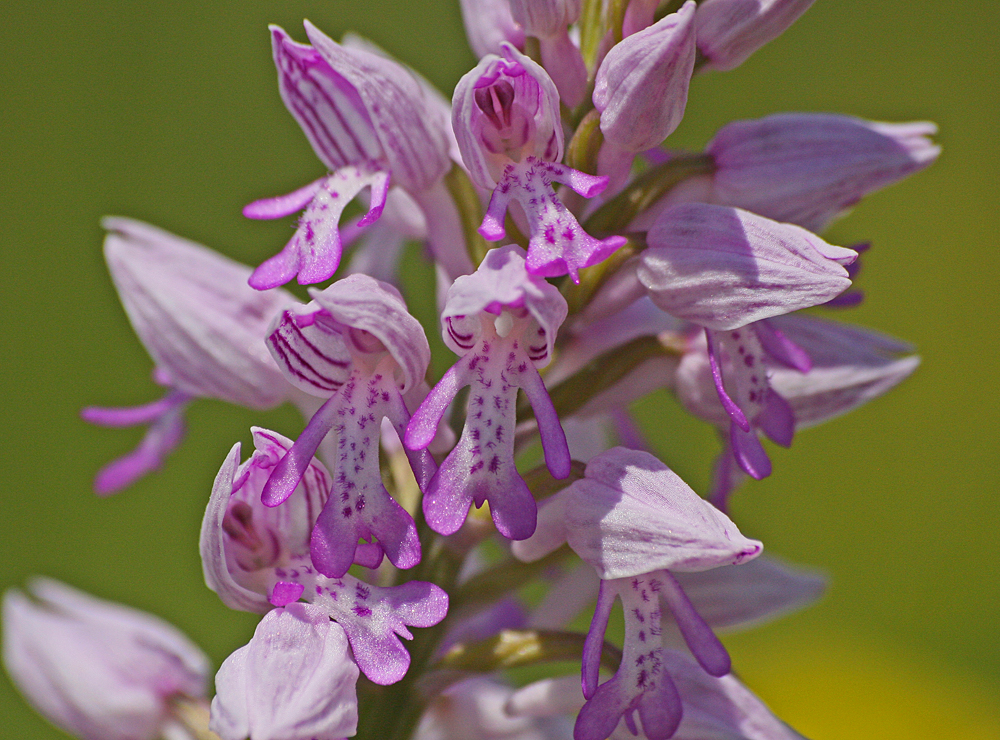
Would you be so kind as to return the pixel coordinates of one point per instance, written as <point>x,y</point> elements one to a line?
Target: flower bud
<point>544,17</point>
<point>642,85</point>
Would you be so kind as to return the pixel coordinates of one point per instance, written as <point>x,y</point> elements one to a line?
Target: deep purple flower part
<point>488,23</point>
<point>387,355</point>
<point>756,403</point>
<point>373,617</point>
<point>481,466</point>
<point>295,680</point>
<point>642,85</point>
<point>98,670</point>
<point>631,515</point>
<point>359,507</point>
<point>203,327</point>
<point>641,685</point>
<point>713,708</point>
<point>314,251</point>
<point>558,245</point>
<point>503,321</point>
<point>729,31</point>
<point>847,366</point>
<point>723,268</point>
<point>809,168</point>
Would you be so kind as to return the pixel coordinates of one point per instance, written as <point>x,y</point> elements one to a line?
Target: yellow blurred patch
<point>834,688</point>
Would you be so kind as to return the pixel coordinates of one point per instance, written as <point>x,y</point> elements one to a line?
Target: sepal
<point>403,118</point>
<point>632,515</point>
<point>723,268</point>
<point>809,168</point>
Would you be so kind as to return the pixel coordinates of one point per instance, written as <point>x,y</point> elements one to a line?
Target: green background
<point>168,112</point>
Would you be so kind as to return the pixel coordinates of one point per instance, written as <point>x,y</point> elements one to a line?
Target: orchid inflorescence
<point>580,262</point>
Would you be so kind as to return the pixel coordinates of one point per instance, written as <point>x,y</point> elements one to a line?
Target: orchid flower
<point>98,670</point>
<point>635,521</point>
<point>202,325</point>
<point>368,119</point>
<point>502,321</point>
<point>847,367</point>
<point>506,118</point>
<point>257,557</point>
<point>727,270</point>
<point>355,345</point>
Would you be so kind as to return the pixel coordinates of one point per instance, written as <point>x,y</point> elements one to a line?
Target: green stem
<point>645,190</point>
<point>600,374</point>
<point>470,212</point>
<point>519,648</point>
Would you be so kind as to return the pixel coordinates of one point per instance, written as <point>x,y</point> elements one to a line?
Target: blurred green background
<point>168,112</point>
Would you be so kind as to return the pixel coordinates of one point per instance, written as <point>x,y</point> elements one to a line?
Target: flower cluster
<point>580,262</point>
